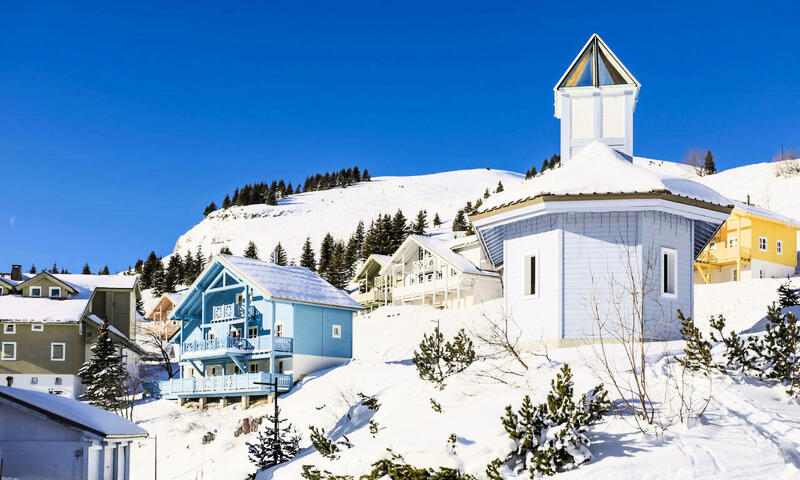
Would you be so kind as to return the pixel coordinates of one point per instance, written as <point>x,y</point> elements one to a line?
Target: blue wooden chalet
<point>246,322</point>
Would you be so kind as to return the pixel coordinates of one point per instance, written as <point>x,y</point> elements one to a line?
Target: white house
<point>427,270</point>
<point>51,436</point>
<point>600,236</point>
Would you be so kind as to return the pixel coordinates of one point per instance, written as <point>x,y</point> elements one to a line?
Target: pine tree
<point>399,229</point>
<point>358,237</point>
<point>555,161</point>
<point>708,163</point>
<point>278,255</point>
<point>272,197</point>
<point>251,251</point>
<point>436,220</point>
<point>148,270</point>
<point>189,268</point>
<point>336,270</point>
<point>212,207</point>
<point>33,269</point>
<point>199,263</point>
<point>227,202</point>
<point>421,224</point>
<point>697,353</point>
<point>105,271</point>
<point>174,273</point>
<point>499,187</point>
<point>225,251</point>
<point>436,359</point>
<point>159,279</point>
<point>54,269</point>
<point>788,296</point>
<point>307,256</point>
<point>271,449</point>
<point>545,165</point>
<point>486,194</point>
<point>365,177</point>
<point>325,253</point>
<point>137,267</point>
<point>104,374</point>
<point>86,270</point>
<point>139,305</point>
<point>460,222</point>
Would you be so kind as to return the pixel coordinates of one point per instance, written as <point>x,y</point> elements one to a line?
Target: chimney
<point>748,199</point>
<point>16,273</point>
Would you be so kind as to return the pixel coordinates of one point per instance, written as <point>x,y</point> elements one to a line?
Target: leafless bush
<point>787,164</point>
<point>153,339</point>
<point>695,158</point>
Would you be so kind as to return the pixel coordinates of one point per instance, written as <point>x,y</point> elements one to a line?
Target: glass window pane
<point>608,72</point>
<point>581,74</point>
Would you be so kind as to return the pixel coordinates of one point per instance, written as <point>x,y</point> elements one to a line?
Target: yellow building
<point>752,243</point>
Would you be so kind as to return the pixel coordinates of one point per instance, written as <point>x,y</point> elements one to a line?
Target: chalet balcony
<point>375,295</point>
<point>439,286</point>
<point>229,311</point>
<point>424,265</point>
<point>222,347</point>
<point>260,383</point>
<point>724,256</point>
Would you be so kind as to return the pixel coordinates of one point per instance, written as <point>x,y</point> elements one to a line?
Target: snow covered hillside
<point>750,430</point>
<point>339,210</point>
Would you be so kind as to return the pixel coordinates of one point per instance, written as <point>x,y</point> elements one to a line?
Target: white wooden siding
<point>582,117</point>
<point>614,116</point>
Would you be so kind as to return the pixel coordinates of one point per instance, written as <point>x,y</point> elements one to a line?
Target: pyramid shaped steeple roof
<point>595,66</point>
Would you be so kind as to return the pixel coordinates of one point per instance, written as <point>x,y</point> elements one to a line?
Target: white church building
<point>599,237</point>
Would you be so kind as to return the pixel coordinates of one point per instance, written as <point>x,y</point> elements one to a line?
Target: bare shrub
<point>786,164</point>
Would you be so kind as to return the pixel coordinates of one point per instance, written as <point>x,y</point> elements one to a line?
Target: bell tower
<point>595,100</point>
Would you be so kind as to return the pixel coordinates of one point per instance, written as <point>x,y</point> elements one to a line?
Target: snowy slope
<point>338,211</point>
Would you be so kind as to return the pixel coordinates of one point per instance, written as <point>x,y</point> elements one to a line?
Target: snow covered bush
<point>275,444</point>
<point>393,468</point>
<point>550,437</point>
<point>775,355</point>
<point>788,296</point>
<point>325,445</point>
<point>436,359</point>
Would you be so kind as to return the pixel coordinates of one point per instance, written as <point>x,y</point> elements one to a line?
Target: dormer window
<point>35,292</point>
<point>55,292</point>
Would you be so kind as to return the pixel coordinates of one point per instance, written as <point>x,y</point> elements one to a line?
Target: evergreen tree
<point>227,202</point>
<point>499,187</point>
<point>365,177</point>
<point>139,305</point>
<point>105,271</point>
<point>251,251</point>
<point>159,280</point>
<point>307,256</point>
<point>436,220</point>
<point>436,359</point>
<point>460,222</point>
<point>358,237</point>
<point>278,255</point>
<point>486,194</point>
<point>336,271</point>
<point>325,253</point>
<point>137,267</point>
<point>399,229</point>
<point>189,268</point>
<point>421,224</point>
<point>212,207</point>
<point>199,263</point>
<point>275,444</point>
<point>174,273</point>
<point>86,270</point>
<point>225,251</point>
<point>54,269</point>
<point>545,165</point>
<point>104,374</point>
<point>788,296</point>
<point>149,270</point>
<point>33,269</point>
<point>272,197</point>
<point>555,161</point>
<point>708,163</point>
<point>351,256</point>
<point>531,173</point>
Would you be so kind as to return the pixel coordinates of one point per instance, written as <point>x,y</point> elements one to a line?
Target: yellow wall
<point>748,228</point>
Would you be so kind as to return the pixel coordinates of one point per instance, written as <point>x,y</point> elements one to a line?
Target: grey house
<point>54,437</point>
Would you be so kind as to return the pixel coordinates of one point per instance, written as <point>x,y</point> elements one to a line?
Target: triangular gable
<point>8,284</point>
<point>68,287</point>
<point>373,260</point>
<point>443,252</point>
<point>595,66</point>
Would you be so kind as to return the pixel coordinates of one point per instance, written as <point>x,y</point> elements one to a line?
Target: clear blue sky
<point>119,123</point>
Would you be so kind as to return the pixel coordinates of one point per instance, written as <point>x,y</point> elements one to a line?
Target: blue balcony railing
<point>241,384</point>
<point>266,343</point>
<point>212,344</point>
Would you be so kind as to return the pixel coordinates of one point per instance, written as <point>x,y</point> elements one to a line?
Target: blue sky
<point>119,123</point>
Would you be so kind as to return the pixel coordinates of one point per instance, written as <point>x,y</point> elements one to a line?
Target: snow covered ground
<point>750,430</point>
<point>339,210</point>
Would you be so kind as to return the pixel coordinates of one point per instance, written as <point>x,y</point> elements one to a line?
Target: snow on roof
<point>16,308</point>
<point>441,247</point>
<point>599,169</point>
<point>85,284</point>
<point>289,282</point>
<point>382,259</point>
<point>176,297</point>
<point>74,413</point>
<point>763,212</point>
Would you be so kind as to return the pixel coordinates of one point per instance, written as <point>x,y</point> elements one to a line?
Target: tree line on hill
<point>554,162</point>
<point>85,271</point>
<point>270,193</point>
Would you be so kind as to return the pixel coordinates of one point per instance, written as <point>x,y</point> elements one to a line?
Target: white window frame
<point>733,241</point>
<point>252,328</point>
<point>278,329</point>
<point>63,352</point>
<point>10,328</point>
<point>664,278</point>
<point>336,330</point>
<point>526,275</point>
<point>252,368</point>
<point>54,289</point>
<point>37,327</point>
<point>38,289</point>
<point>779,247</point>
<point>763,241</point>
<point>3,351</point>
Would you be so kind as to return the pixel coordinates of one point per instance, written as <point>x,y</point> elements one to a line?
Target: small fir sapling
<point>325,445</point>
<point>268,451</point>
<point>251,251</point>
<point>788,296</point>
<point>550,437</point>
<point>436,359</point>
<point>373,428</point>
<point>436,406</point>
<point>697,353</point>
